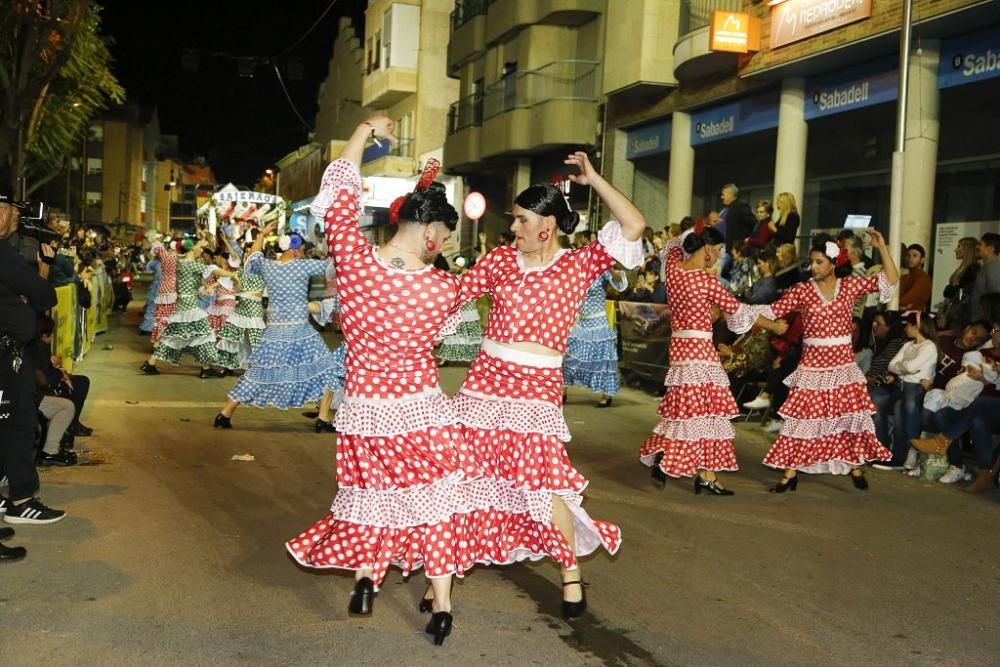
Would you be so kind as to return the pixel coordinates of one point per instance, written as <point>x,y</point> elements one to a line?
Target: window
<point>95,165</point>
<point>93,198</point>
<point>95,133</point>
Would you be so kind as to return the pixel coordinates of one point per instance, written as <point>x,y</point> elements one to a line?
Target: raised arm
<point>876,239</point>
<point>623,210</point>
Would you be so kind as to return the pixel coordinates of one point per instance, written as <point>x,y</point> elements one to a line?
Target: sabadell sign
<point>970,58</point>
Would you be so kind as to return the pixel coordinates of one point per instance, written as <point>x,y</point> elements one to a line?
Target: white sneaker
<point>758,403</point>
<point>912,459</point>
<point>954,474</point>
<point>915,472</point>
<point>774,426</point>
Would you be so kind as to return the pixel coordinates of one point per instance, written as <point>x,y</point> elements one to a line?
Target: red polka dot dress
<point>405,486</point>
<point>511,401</point>
<point>695,432</point>
<point>166,296</point>
<point>828,424</point>
<point>224,302</point>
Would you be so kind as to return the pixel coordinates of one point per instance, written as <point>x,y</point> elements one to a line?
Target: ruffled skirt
<point>289,368</point>
<point>463,345</point>
<point>187,331</point>
<point>695,432</point>
<point>512,420</point>
<point>828,426</point>
<point>242,332</point>
<point>591,359</point>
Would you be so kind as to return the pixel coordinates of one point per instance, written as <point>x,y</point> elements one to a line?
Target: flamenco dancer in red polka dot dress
<point>404,492</point>
<point>510,403</point>
<point>695,436</point>
<point>828,424</point>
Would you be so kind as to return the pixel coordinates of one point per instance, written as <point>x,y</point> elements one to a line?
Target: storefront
<point>648,149</point>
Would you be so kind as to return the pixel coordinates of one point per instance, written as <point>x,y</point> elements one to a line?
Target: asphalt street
<point>172,553</point>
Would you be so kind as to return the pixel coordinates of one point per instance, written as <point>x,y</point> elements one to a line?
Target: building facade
<point>813,113</point>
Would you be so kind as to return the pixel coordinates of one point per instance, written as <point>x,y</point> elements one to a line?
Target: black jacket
<point>787,231</point>
<point>24,295</point>
<point>740,222</point>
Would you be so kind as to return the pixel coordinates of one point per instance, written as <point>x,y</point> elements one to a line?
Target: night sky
<point>241,125</point>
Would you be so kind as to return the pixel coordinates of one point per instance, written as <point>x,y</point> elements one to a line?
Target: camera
<point>30,218</point>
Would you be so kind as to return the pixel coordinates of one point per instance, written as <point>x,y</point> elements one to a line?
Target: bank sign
<point>648,140</point>
<point>795,20</point>
<point>735,119</point>
<point>972,57</point>
<point>852,88</point>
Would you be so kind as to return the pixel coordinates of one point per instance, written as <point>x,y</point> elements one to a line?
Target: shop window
<point>95,165</point>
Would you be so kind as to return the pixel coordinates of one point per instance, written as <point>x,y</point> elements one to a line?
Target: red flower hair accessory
<point>431,169</point>
<point>836,253</point>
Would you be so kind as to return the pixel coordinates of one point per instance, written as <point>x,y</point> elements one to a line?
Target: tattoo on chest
<point>397,263</point>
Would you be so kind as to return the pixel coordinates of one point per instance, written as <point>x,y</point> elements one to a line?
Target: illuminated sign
<point>733,32</point>
<point>796,20</point>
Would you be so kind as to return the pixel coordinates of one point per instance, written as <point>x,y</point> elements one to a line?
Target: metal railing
<point>696,14</point>
<point>558,80</point>
<point>402,148</point>
<point>465,11</point>
<point>466,112</point>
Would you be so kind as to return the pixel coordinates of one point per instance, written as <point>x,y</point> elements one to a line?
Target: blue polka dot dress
<point>591,359</point>
<point>292,364</point>
<point>149,318</point>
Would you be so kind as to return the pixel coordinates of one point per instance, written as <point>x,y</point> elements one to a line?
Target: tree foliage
<point>54,77</point>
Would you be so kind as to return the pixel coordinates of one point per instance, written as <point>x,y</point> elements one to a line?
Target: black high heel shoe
<point>439,626</point>
<point>149,369</point>
<point>785,484</point>
<point>222,421</point>
<point>860,483</point>
<point>574,610</point>
<point>659,477</point>
<point>362,598</point>
<point>324,427</point>
<point>426,606</point>
<point>712,486</point>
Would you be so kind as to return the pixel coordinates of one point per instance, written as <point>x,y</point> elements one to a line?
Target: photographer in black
<point>25,293</point>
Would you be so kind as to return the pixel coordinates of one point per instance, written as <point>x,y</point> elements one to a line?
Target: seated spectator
<point>981,419</point>
<point>648,288</point>
<point>742,270</point>
<point>765,288</point>
<point>762,234</point>
<point>788,353</point>
<point>862,352</point>
<point>887,339</point>
<point>988,278</point>
<point>63,384</point>
<point>56,409</point>
<point>904,389</point>
<point>786,224</point>
<point>915,284</point>
<point>788,272</point>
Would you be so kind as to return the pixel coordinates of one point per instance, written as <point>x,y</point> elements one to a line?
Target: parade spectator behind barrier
<point>954,309</point>
<point>648,288</point>
<point>988,278</point>
<point>765,288</point>
<point>915,284</point>
<point>911,367</point>
<point>785,224</point>
<point>57,410</point>
<point>886,340</point>
<point>981,419</point>
<point>738,221</point>
<point>788,273</point>
<point>762,233</point>
<point>25,293</point>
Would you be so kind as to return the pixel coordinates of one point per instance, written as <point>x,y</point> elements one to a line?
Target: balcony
<point>509,16</point>
<point>384,87</point>
<point>692,58</point>
<point>533,111</point>
<point>465,118</point>
<point>468,33</point>
<point>391,159</point>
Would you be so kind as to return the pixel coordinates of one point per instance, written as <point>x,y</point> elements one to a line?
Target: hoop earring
<point>430,245</point>
<point>543,236</point>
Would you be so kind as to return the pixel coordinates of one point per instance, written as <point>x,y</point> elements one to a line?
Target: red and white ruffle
<point>629,254</point>
<point>393,416</point>
<point>489,413</point>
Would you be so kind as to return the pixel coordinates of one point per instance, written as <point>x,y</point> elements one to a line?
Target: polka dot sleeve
<point>479,280</point>
<point>740,317</point>
<point>595,261</point>
<point>343,236</point>
<point>790,301</point>
<point>868,284</point>
<point>629,253</point>
<point>254,264</point>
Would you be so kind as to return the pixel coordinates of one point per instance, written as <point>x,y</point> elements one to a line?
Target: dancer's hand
<point>779,327</point>
<point>875,238</point>
<point>382,127</point>
<point>581,161</point>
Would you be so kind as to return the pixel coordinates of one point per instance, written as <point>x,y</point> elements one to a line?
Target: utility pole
<point>896,187</point>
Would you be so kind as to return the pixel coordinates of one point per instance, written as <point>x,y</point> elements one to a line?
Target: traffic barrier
<point>77,327</point>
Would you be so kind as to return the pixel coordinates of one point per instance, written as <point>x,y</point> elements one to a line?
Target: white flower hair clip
<point>831,250</point>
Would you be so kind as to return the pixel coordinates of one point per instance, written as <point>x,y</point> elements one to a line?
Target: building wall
<point>637,33</point>
<point>339,101</point>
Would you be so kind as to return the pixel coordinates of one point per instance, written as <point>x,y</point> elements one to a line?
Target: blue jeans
<point>985,412</point>
<point>884,397</point>
<point>908,413</point>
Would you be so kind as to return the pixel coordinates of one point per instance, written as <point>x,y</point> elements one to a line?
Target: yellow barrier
<point>76,327</point>
<point>64,338</point>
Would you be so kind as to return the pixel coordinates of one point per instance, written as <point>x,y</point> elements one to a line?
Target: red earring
<point>430,245</point>
<point>543,236</point>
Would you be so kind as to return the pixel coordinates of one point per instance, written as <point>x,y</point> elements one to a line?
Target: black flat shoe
<point>311,414</point>
<point>80,430</point>
<point>574,610</point>
<point>61,458</point>
<point>712,487</point>
<point>604,402</point>
<point>222,421</point>
<point>659,477</point>
<point>785,484</point>
<point>860,483</point>
<point>439,626</point>
<point>11,554</point>
<point>209,373</point>
<point>149,369</point>
<point>324,427</point>
<point>362,598</point>
<point>6,533</point>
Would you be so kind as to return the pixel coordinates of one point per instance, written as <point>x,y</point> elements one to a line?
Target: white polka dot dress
<point>828,425</point>
<point>292,364</point>
<point>510,403</point>
<point>695,432</point>
<point>408,489</point>
<point>591,359</point>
